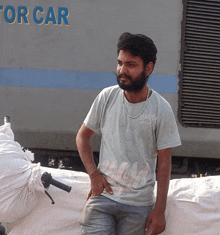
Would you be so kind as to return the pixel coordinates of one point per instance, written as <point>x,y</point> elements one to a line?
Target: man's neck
<point>137,97</point>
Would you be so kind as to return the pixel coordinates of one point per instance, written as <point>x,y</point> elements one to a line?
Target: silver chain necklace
<point>145,104</point>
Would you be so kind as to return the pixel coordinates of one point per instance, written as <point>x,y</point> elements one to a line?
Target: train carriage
<point>57,56</point>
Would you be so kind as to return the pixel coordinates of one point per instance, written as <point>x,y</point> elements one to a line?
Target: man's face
<point>131,74</point>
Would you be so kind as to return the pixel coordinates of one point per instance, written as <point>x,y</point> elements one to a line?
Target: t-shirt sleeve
<point>93,118</point>
<point>167,132</point>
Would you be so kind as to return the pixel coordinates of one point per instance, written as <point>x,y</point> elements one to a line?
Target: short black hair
<point>138,45</point>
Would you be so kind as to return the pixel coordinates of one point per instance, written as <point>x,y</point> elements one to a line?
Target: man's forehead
<point>128,57</point>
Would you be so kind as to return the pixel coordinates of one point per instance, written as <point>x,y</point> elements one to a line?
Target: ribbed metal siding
<point>200,78</point>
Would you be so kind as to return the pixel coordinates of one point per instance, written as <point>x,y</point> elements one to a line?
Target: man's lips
<point>124,78</point>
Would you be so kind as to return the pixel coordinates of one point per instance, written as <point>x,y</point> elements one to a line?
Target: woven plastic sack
<point>193,206</point>
<point>20,179</point>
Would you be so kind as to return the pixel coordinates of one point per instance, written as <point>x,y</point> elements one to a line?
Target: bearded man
<point>138,130</point>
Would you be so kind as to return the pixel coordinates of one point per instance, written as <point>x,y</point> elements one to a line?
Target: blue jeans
<point>103,216</point>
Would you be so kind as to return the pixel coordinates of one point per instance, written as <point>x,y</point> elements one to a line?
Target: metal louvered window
<point>199,92</point>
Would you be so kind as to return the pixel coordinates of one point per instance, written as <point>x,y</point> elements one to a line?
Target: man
<point>138,127</point>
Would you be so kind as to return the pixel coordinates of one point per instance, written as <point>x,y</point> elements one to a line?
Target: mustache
<point>123,75</point>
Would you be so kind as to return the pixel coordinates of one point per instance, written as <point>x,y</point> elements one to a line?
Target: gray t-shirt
<point>131,135</point>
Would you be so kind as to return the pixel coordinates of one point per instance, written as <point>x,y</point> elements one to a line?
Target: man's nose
<point>123,69</point>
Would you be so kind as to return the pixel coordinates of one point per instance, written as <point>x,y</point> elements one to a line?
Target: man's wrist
<point>94,174</point>
<point>159,210</point>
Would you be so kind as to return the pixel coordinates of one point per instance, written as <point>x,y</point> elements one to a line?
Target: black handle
<point>60,185</point>
<point>47,179</point>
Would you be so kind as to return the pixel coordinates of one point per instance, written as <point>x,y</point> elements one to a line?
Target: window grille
<point>199,87</point>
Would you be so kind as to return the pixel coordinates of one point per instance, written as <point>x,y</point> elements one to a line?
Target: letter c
<point>35,12</point>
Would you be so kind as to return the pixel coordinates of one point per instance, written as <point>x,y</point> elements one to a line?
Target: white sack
<point>193,206</point>
<point>19,178</point>
<point>62,217</point>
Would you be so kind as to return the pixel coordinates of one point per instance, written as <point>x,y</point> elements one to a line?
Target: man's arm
<point>83,142</point>
<point>157,217</point>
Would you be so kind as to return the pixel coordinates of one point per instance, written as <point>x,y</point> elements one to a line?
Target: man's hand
<point>157,222</point>
<point>98,184</point>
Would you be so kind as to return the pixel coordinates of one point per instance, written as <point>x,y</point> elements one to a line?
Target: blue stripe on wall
<point>78,80</point>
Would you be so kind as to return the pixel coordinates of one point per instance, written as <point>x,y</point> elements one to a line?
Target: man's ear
<point>149,68</point>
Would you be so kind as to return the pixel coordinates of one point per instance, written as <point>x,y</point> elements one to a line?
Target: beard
<point>135,85</point>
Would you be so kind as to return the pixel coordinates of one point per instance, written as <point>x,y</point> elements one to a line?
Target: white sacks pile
<point>61,218</point>
<point>19,178</point>
<point>193,205</point>
<point>24,206</point>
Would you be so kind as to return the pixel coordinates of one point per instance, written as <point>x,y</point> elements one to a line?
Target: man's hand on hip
<point>98,184</point>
